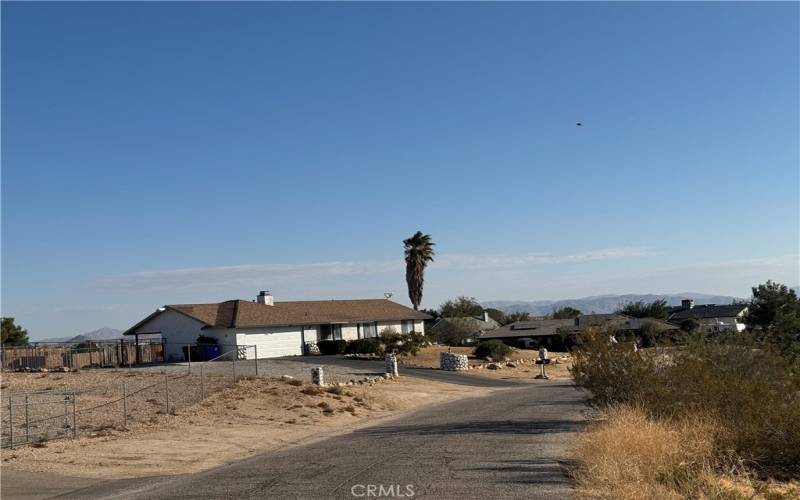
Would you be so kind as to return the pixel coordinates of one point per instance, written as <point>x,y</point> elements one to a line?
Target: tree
<point>455,331</point>
<point>640,309</point>
<point>517,316</point>
<point>461,307</point>
<point>12,334</point>
<point>774,314</point>
<point>418,251</point>
<point>497,315</point>
<point>565,313</point>
<point>434,313</point>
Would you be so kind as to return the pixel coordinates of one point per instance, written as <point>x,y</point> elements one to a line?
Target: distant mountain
<point>99,334</point>
<point>602,303</point>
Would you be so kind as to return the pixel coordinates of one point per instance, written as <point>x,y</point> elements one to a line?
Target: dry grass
<point>632,456</point>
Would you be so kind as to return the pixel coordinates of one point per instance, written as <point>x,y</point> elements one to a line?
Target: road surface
<point>511,444</point>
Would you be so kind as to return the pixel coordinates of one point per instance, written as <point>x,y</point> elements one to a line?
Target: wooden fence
<point>53,357</point>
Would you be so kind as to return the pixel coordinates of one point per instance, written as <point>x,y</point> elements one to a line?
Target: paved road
<point>510,444</point>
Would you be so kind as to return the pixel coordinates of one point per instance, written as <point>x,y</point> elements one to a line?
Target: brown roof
<point>245,314</point>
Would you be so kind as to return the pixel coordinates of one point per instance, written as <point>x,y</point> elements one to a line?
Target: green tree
<point>565,313</point>
<point>12,334</point>
<point>497,315</point>
<point>455,331</point>
<point>774,315</point>
<point>461,307</point>
<point>418,252</point>
<point>641,309</point>
<point>517,316</point>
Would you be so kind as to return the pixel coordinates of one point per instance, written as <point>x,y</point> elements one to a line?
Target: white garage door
<point>273,345</point>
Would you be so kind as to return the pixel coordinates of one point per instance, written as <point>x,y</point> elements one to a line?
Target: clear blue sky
<point>158,153</point>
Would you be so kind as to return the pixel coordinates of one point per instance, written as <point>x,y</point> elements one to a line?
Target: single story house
<point>712,317</point>
<point>472,326</point>
<point>560,333</point>
<point>275,328</point>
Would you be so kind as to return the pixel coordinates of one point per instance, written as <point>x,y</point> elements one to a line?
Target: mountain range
<point>602,303</point>
<point>99,334</point>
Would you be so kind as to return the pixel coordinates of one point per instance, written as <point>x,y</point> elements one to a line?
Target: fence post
<point>189,356</point>
<point>166,391</point>
<point>202,384</point>
<point>11,419</point>
<point>74,417</point>
<point>235,355</point>
<point>27,422</point>
<point>125,404</point>
<point>255,348</point>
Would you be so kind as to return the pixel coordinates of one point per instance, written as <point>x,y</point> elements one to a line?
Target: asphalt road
<point>510,444</point>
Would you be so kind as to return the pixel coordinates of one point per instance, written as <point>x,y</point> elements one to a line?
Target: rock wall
<point>452,362</point>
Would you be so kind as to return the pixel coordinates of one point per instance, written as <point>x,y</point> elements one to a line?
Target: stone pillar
<point>317,376</point>
<point>391,365</point>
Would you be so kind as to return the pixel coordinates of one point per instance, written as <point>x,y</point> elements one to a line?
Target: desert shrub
<point>403,343</point>
<point>748,388</point>
<point>365,346</point>
<point>294,382</point>
<point>495,349</point>
<point>332,346</point>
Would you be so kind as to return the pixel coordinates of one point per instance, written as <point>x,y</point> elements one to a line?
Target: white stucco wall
<point>176,329</point>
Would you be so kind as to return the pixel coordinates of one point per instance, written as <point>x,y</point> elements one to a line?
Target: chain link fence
<point>94,402</point>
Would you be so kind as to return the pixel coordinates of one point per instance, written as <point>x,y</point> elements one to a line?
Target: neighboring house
<point>276,328</point>
<point>560,333</point>
<point>712,317</point>
<point>474,327</point>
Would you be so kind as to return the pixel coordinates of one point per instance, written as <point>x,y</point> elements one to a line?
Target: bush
<point>365,346</point>
<point>328,347</point>
<point>403,343</point>
<point>495,349</point>
<point>747,387</point>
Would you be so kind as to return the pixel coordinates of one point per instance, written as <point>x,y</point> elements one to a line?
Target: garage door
<point>273,345</point>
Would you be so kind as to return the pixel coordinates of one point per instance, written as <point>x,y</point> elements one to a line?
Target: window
<point>407,326</point>
<point>368,330</point>
<point>330,332</point>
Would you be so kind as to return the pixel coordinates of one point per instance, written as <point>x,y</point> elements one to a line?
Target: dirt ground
<point>257,415</point>
<point>527,370</point>
<point>524,369</point>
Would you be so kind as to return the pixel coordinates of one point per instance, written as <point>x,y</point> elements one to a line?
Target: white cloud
<point>314,273</point>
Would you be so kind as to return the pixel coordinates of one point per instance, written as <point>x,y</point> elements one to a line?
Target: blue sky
<point>160,153</point>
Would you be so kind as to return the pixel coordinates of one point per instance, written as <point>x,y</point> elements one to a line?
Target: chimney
<point>264,297</point>
<point>687,303</point>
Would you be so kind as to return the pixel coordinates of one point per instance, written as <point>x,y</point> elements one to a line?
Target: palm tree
<point>419,251</point>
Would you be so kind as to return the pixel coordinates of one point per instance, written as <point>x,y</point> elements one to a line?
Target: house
<point>275,328</point>
<point>469,328</point>
<point>560,333</point>
<point>712,317</point>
